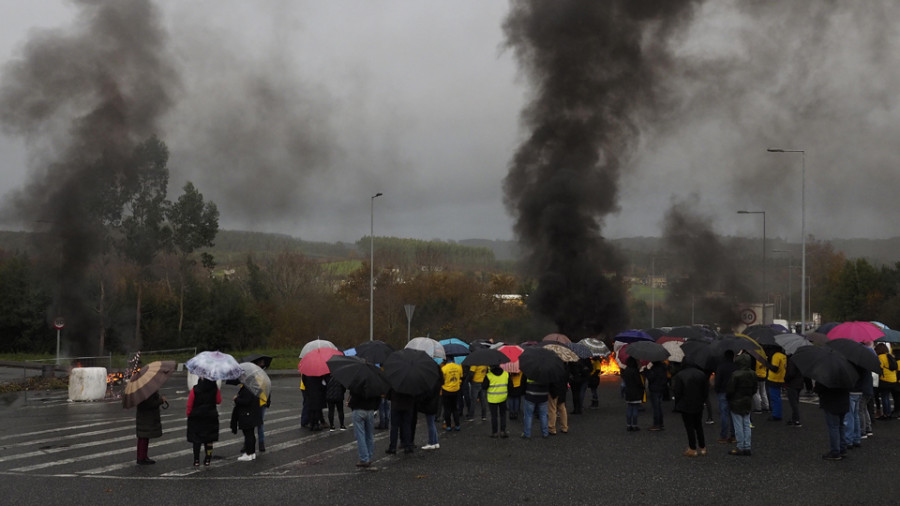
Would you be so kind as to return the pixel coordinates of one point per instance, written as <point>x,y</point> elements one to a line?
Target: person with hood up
<point>690,386</point>
<point>739,391</point>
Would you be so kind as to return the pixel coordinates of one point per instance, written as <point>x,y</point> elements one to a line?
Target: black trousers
<point>693,424</point>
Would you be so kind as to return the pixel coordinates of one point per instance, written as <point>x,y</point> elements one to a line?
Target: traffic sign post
<point>58,323</point>
<point>410,308</point>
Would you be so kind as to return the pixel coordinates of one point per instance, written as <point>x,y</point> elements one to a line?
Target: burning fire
<point>114,378</point>
<point>609,365</point>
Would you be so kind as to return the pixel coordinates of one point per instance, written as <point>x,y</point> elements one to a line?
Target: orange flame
<point>609,365</point>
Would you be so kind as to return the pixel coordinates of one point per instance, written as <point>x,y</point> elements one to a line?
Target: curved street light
<point>802,228</point>
<point>765,295</point>
<point>372,267</point>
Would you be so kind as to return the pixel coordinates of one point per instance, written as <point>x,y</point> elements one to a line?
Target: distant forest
<point>232,247</point>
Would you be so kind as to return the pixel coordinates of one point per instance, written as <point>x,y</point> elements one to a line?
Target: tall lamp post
<point>790,316</point>
<point>372,268</point>
<point>802,229</point>
<point>765,296</point>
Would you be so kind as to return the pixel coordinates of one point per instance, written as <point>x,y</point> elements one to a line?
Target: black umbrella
<point>702,354</point>
<point>647,350</point>
<point>826,366</point>
<point>542,365</point>
<point>358,375</point>
<point>857,353</point>
<point>375,352</point>
<point>738,344</point>
<point>263,361</point>
<point>655,333</point>
<point>689,333</point>
<point>456,350</point>
<point>762,334</point>
<point>412,372</point>
<point>485,356</point>
<point>580,349</point>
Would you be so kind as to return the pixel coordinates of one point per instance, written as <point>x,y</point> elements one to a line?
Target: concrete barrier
<point>87,384</point>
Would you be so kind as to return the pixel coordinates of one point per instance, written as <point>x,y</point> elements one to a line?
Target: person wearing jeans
<point>535,399</point>
<point>723,375</point>
<point>657,381</point>
<point>363,416</point>
<point>835,402</point>
<point>739,393</point>
<point>775,381</point>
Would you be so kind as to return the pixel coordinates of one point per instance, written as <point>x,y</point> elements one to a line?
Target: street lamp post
<point>790,315</point>
<point>802,229</point>
<point>765,296</point>
<point>372,268</point>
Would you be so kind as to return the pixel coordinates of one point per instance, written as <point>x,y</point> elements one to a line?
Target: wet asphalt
<point>597,462</point>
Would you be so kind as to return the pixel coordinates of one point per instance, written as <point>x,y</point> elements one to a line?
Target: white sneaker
<point>245,458</point>
<point>435,446</point>
<point>428,447</point>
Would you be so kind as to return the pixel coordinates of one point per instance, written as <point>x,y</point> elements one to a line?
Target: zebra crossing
<point>104,446</point>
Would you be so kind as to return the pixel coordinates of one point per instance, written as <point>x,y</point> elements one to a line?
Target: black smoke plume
<point>705,280</point>
<point>83,97</point>
<point>597,71</point>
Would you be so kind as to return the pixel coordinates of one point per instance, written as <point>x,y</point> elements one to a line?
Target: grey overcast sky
<point>290,115</point>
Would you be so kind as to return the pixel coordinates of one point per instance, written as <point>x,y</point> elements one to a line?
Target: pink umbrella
<point>860,332</point>
<point>315,363</point>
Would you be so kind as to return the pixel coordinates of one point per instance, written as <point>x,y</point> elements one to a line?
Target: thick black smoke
<point>83,98</point>
<point>705,280</point>
<point>597,70</point>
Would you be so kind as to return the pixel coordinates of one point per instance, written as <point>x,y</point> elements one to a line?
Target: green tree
<point>194,225</point>
<point>144,232</point>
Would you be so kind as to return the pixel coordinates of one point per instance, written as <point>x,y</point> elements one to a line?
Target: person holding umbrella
<point>496,384</point>
<point>536,395</point>
<point>690,386</point>
<point>148,425</point>
<point>203,418</point>
<point>739,393</point>
<point>263,362</point>
<point>453,375</point>
<point>143,391</point>
<point>246,417</point>
<point>634,393</point>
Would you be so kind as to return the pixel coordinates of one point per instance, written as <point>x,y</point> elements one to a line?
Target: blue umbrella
<point>630,336</point>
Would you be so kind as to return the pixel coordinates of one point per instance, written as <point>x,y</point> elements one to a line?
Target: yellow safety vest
<point>497,387</point>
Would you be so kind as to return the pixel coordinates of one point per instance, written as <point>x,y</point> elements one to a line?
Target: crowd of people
<point>739,386</point>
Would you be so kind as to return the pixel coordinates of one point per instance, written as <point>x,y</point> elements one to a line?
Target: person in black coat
<point>315,398</point>
<point>634,393</point>
<point>246,416</point>
<point>835,402</point>
<point>334,397</point>
<point>203,418</point>
<point>148,425</point>
<point>657,385</point>
<point>691,389</point>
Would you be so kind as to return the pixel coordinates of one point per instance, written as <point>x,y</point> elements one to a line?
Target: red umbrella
<point>856,331</point>
<point>315,362</point>
<point>512,351</point>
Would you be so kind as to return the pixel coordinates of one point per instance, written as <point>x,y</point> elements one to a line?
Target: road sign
<point>59,322</point>
<point>748,317</point>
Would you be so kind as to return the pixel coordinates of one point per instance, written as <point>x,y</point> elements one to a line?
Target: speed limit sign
<point>59,323</point>
<point>748,316</point>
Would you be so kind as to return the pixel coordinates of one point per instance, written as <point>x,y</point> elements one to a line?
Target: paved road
<point>58,452</point>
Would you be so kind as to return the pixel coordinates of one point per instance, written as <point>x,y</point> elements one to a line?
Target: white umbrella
<point>315,345</point>
<point>433,348</point>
